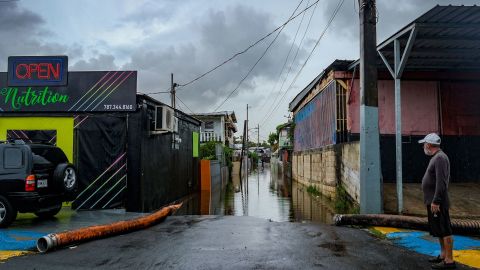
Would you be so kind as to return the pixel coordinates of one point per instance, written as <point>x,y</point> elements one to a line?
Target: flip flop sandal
<point>436,259</point>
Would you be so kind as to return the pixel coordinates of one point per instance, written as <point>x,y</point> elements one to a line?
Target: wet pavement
<point>263,222</point>
<point>230,242</point>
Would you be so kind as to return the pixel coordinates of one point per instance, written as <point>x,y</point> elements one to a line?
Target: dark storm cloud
<point>218,37</point>
<point>152,11</point>
<point>22,32</point>
<point>392,15</point>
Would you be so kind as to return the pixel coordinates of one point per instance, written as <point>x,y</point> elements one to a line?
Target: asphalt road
<point>227,242</point>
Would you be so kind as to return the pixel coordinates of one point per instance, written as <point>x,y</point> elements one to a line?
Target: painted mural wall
<point>315,122</point>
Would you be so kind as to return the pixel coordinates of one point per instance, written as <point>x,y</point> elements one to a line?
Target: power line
<point>248,48</point>
<point>295,57</point>
<point>160,92</point>
<point>308,58</point>
<point>185,105</point>
<point>286,59</point>
<point>258,60</point>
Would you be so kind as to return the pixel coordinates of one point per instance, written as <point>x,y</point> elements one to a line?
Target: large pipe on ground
<point>469,227</point>
<point>57,240</point>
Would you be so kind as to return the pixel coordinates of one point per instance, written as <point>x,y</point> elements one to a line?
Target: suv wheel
<point>7,212</point>
<point>50,213</point>
<point>65,178</point>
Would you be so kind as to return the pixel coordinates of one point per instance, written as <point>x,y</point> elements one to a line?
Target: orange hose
<point>56,240</point>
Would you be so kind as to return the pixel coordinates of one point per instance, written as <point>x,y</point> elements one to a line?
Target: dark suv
<point>33,178</point>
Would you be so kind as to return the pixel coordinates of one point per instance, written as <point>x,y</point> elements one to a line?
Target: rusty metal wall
<point>460,108</point>
<point>315,124</point>
<point>420,108</point>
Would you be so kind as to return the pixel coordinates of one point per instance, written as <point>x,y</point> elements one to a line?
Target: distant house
<point>284,140</point>
<point>217,126</point>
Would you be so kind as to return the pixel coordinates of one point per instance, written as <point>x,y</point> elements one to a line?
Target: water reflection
<point>266,193</point>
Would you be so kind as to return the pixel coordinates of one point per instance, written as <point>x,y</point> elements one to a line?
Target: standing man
<point>434,186</point>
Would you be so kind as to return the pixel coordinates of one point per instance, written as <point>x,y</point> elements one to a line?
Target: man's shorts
<point>439,223</point>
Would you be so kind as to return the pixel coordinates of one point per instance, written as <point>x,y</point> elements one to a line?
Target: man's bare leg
<point>442,247</point>
<point>448,244</point>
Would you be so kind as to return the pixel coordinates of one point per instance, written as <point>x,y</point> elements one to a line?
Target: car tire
<point>65,178</point>
<point>8,213</point>
<point>50,213</point>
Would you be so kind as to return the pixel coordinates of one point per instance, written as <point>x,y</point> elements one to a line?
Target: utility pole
<point>370,170</point>
<point>258,136</point>
<point>247,127</point>
<point>248,151</point>
<point>172,90</point>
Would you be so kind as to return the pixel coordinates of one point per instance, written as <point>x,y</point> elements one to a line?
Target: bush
<point>207,151</point>
<point>344,203</point>
<point>254,156</point>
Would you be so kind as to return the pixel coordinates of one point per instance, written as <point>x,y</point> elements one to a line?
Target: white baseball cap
<point>431,138</point>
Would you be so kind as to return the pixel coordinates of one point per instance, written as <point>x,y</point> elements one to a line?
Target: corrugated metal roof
<point>336,65</point>
<point>447,38</point>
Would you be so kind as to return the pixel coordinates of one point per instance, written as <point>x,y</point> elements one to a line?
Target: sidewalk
<point>464,200</point>
<point>466,249</point>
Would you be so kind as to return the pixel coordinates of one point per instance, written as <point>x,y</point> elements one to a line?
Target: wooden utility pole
<point>370,170</point>
<point>247,127</point>
<point>242,153</point>
<point>172,90</point>
<point>258,136</point>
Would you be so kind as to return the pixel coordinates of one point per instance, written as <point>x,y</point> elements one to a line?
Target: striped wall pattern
<point>315,123</point>
<point>106,188</point>
<point>100,91</point>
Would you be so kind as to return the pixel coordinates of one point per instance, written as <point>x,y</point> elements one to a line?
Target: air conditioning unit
<point>165,119</point>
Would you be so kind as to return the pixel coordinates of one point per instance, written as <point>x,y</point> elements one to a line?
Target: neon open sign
<point>37,70</point>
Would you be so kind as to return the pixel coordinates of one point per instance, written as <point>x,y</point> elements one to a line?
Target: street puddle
<point>266,193</point>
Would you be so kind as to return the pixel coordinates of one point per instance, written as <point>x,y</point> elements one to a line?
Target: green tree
<point>273,138</point>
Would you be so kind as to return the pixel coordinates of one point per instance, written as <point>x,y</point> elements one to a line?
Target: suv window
<point>43,155</point>
<point>13,158</point>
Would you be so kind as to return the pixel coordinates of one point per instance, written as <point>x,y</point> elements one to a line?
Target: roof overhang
<point>446,38</point>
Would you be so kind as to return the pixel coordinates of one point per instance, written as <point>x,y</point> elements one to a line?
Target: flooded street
<point>266,193</point>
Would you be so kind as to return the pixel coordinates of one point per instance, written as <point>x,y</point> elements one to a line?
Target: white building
<point>217,126</point>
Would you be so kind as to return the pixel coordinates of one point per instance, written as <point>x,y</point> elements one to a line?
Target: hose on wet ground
<point>57,240</point>
<point>459,226</point>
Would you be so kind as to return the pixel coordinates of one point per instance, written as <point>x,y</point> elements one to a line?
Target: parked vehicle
<point>34,178</point>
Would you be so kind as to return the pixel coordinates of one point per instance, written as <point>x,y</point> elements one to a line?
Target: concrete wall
<point>329,166</point>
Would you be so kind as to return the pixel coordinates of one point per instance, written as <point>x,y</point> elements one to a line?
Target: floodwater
<point>266,193</point>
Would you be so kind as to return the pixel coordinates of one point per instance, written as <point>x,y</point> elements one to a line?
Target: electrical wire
<point>160,92</point>
<point>286,60</point>
<point>295,57</point>
<point>258,60</point>
<point>246,49</point>
<point>184,104</point>
<point>337,9</point>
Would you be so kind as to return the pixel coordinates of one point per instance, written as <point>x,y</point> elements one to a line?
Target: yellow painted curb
<point>386,230</point>
<point>4,255</point>
<point>467,257</point>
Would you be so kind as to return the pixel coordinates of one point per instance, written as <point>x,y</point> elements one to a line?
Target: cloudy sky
<point>189,37</point>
